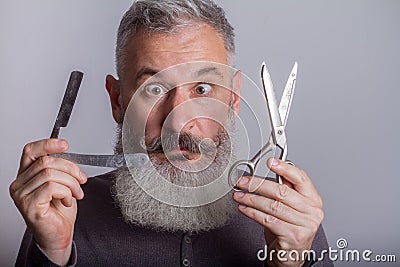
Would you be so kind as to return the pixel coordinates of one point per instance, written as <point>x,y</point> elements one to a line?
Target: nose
<point>180,111</point>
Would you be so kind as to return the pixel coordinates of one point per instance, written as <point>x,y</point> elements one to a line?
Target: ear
<point>237,87</point>
<point>113,89</point>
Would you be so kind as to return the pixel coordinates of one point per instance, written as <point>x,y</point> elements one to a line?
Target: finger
<point>48,162</point>
<point>288,235</point>
<point>51,176</point>
<point>275,191</point>
<point>37,149</point>
<point>273,207</point>
<point>286,182</point>
<point>67,201</point>
<point>39,200</point>
<point>273,224</point>
<point>300,180</point>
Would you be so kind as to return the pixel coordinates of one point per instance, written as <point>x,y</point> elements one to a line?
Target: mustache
<point>171,140</point>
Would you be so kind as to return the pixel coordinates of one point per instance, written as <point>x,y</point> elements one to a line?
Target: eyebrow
<point>146,71</point>
<point>208,70</point>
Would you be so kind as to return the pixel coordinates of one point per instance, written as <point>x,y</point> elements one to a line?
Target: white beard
<point>140,208</point>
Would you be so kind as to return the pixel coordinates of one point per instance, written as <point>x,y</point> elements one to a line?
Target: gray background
<point>343,127</point>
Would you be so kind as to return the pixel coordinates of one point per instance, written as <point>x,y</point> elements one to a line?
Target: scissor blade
<point>111,161</point>
<point>287,97</point>
<point>278,131</point>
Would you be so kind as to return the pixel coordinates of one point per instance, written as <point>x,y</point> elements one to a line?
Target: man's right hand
<point>45,192</point>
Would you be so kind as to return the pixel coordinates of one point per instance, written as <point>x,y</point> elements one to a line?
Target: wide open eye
<point>154,89</point>
<point>203,89</point>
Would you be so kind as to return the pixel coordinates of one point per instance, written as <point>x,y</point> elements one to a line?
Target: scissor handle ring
<point>238,163</point>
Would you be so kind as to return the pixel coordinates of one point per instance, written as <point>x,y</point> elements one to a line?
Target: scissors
<point>278,117</point>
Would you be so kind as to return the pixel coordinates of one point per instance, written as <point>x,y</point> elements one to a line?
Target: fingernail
<point>242,207</point>
<point>274,162</point>
<point>62,143</point>
<point>82,175</point>
<point>238,194</point>
<point>244,181</point>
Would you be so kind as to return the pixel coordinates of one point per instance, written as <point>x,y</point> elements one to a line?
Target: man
<point>119,221</point>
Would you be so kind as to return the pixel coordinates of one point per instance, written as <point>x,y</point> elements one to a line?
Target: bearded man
<point>142,216</point>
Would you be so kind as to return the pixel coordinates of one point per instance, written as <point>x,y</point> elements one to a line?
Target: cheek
<point>143,116</point>
<point>213,118</point>
<point>208,128</point>
<point>153,125</point>
<point>140,118</point>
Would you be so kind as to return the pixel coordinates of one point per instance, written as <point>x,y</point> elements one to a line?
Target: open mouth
<point>177,154</point>
<point>181,154</point>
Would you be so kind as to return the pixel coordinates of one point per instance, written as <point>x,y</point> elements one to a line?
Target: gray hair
<point>165,16</point>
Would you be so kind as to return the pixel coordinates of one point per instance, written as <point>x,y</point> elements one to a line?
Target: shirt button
<point>187,240</point>
<point>185,262</point>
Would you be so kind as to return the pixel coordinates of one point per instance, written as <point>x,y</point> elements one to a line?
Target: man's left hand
<point>291,213</point>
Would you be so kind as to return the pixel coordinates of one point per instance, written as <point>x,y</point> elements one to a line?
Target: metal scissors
<point>278,117</point>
